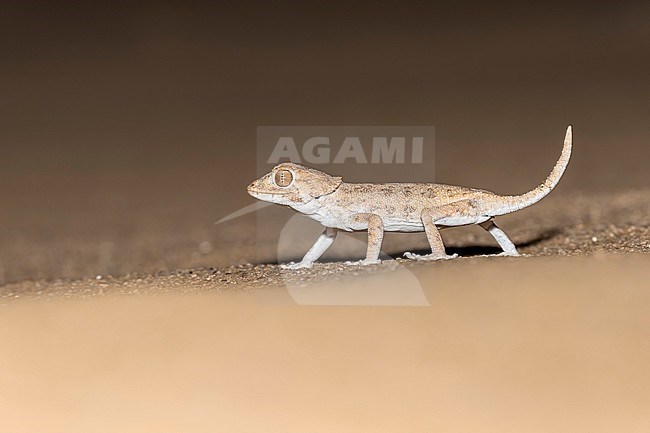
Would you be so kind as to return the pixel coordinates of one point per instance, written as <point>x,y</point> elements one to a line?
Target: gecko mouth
<point>260,191</point>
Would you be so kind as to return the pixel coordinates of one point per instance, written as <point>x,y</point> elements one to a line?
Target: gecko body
<point>394,207</point>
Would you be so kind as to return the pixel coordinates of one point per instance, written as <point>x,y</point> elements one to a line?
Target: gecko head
<point>293,184</point>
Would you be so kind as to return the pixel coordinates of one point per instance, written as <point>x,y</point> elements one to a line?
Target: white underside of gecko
<point>325,211</point>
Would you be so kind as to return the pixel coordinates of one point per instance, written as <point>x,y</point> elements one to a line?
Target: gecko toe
<point>429,257</point>
<point>294,266</point>
<point>362,262</point>
<point>509,254</point>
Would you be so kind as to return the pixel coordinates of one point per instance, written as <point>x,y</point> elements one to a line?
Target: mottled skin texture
<point>395,207</point>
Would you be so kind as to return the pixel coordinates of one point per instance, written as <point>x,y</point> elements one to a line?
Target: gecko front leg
<point>321,245</point>
<point>375,228</point>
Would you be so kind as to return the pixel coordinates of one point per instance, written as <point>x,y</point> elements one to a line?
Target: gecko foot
<point>429,257</point>
<point>299,265</point>
<point>509,254</point>
<point>363,263</point>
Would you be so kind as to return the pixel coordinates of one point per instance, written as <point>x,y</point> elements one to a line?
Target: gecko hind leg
<point>375,238</point>
<point>509,249</point>
<point>429,218</point>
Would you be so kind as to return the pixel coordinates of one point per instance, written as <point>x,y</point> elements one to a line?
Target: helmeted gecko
<point>394,207</point>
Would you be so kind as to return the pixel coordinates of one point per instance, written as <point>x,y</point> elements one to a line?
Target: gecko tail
<point>517,202</point>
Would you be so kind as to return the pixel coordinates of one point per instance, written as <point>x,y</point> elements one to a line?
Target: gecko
<point>394,207</point>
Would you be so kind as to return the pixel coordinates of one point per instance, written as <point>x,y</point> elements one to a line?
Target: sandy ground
<point>529,345</point>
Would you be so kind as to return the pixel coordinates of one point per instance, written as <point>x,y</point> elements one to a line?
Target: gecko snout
<point>255,188</point>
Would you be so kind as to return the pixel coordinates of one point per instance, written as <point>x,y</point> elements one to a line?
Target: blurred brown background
<point>127,129</point>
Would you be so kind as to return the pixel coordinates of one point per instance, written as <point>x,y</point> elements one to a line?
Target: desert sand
<point>529,345</point>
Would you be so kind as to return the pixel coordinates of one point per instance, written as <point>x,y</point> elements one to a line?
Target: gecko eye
<point>283,178</point>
